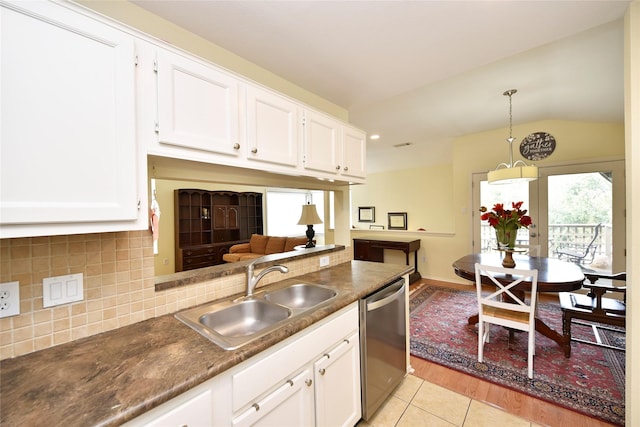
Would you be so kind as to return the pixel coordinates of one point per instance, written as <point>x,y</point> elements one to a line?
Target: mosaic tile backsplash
<point>119,290</point>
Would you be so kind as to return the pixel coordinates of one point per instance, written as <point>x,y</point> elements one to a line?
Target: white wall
<point>632,149</point>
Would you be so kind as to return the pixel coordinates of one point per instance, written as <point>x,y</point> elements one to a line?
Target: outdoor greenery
<point>584,198</point>
<point>580,199</point>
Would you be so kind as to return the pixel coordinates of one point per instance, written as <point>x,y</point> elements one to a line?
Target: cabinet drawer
<point>198,262</point>
<point>289,404</point>
<point>193,252</point>
<point>250,383</point>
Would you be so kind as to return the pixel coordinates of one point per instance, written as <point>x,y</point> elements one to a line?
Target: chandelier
<point>507,173</point>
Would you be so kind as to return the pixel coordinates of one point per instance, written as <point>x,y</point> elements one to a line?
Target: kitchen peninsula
<point>113,377</point>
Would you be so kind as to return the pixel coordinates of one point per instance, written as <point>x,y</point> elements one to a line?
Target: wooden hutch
<point>208,223</point>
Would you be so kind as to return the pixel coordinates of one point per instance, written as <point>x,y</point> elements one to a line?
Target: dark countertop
<point>112,377</point>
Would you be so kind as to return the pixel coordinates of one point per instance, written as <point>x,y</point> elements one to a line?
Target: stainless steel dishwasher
<point>383,335</point>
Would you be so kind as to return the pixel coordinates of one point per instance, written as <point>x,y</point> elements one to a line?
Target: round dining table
<point>554,275</point>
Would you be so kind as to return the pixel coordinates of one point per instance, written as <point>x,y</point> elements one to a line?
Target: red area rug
<point>590,382</point>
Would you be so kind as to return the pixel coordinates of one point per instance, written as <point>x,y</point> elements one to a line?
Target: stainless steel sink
<point>300,295</point>
<point>234,323</point>
<point>231,324</point>
<point>244,318</point>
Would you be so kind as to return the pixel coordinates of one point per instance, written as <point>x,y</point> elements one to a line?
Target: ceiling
<point>426,72</point>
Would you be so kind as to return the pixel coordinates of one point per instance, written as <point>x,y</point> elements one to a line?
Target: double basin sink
<point>234,323</point>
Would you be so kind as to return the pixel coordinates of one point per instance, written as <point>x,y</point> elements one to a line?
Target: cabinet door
<point>226,217</point>
<point>68,148</point>
<point>193,412</point>
<point>233,217</point>
<point>321,143</point>
<point>291,404</point>
<point>197,105</point>
<point>219,217</point>
<point>337,388</point>
<point>354,152</point>
<point>272,128</point>
<point>193,408</point>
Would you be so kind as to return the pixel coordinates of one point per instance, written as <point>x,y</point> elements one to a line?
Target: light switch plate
<point>9,299</point>
<point>324,261</point>
<point>62,290</point>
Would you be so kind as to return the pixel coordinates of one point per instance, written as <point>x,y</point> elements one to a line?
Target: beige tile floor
<point>419,403</point>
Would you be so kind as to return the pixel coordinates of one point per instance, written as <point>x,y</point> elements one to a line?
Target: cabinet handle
<point>254,150</point>
<point>338,167</point>
<point>326,354</point>
<point>347,341</point>
<point>308,382</point>
<point>236,146</point>
<point>255,405</point>
<point>346,168</point>
<point>322,371</point>
<point>290,383</point>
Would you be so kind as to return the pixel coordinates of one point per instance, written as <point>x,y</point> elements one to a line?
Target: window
<point>283,212</point>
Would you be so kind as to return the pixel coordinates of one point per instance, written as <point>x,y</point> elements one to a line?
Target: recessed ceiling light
<point>374,136</point>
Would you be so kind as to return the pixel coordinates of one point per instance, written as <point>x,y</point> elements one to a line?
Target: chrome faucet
<point>252,281</point>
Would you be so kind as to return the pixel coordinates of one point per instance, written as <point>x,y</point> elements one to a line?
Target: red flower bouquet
<point>506,222</point>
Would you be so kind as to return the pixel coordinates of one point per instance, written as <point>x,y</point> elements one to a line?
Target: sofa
<point>260,245</point>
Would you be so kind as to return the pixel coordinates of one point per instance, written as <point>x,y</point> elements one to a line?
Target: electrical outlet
<point>9,299</point>
<point>324,261</point>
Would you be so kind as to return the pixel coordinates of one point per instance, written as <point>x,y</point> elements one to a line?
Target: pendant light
<point>508,173</point>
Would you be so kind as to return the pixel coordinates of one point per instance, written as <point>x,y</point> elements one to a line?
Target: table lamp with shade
<point>309,217</point>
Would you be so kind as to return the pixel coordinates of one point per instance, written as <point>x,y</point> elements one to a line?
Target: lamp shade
<point>513,174</point>
<point>309,215</point>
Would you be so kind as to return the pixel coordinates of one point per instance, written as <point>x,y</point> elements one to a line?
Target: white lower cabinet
<point>189,411</point>
<point>310,379</point>
<point>337,385</point>
<point>289,404</point>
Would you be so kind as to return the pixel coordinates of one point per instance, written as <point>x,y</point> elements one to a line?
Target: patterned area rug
<point>590,382</point>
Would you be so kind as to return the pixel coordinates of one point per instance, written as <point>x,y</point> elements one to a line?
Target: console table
<point>372,249</point>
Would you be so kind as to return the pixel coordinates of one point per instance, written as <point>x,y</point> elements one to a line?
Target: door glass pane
<point>505,194</point>
<point>580,219</point>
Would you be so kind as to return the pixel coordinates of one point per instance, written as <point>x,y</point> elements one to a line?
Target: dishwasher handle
<point>396,289</point>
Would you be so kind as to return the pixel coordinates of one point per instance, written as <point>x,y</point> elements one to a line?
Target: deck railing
<point>569,236</point>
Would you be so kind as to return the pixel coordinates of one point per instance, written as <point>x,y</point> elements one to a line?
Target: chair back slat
<point>507,306</point>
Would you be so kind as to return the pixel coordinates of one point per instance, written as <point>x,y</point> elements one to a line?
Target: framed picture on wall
<point>367,214</point>
<point>397,220</point>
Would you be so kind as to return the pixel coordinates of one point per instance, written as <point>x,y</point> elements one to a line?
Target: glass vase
<point>506,237</point>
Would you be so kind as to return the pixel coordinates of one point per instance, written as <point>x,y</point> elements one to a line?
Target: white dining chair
<point>506,306</point>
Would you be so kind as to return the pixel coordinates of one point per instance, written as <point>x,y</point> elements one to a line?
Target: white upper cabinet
<point>197,105</point>
<point>354,152</point>
<point>69,162</point>
<point>321,143</point>
<point>272,127</point>
<point>333,148</point>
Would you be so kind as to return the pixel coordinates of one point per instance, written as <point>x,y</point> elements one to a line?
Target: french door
<point>567,204</point>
